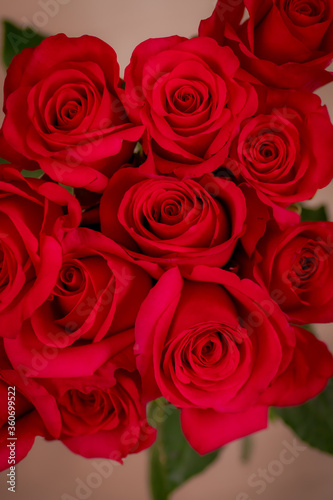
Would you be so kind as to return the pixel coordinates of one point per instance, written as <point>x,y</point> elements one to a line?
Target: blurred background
<point>50,471</point>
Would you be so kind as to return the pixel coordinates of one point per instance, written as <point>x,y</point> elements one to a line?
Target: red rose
<point>63,111</point>
<point>169,221</point>
<point>226,11</point>
<point>286,151</point>
<point>284,43</point>
<point>304,29</point>
<point>103,415</point>
<point>77,349</point>
<point>96,295</point>
<point>33,222</point>
<point>190,98</point>
<point>97,412</point>
<point>217,347</point>
<point>296,266</point>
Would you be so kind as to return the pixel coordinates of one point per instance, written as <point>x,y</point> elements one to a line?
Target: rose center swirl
<point>306,8</point>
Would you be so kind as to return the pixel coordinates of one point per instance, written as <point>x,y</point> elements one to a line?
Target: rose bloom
<point>190,96</point>
<point>103,415</point>
<point>284,43</point>
<point>222,351</point>
<point>169,221</point>
<point>296,266</point>
<point>63,112</point>
<point>96,411</point>
<point>286,151</point>
<point>96,294</point>
<point>34,217</point>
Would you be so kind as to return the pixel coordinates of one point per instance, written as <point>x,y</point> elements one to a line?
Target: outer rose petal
<point>224,12</point>
<point>27,352</point>
<point>27,428</point>
<point>309,75</point>
<point>39,214</point>
<point>305,377</point>
<point>208,430</point>
<point>35,393</point>
<point>153,308</point>
<point>113,445</point>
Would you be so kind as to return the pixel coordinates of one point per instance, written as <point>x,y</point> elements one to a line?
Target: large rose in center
<point>190,97</point>
<point>173,221</point>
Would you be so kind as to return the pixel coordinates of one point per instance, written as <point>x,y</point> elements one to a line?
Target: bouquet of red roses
<point>153,245</point>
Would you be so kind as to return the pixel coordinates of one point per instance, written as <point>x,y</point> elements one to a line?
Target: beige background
<point>51,472</point>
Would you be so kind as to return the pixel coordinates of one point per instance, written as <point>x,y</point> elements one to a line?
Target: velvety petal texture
<point>103,415</point>
<point>28,422</point>
<point>304,30</point>
<point>169,221</point>
<point>34,217</point>
<point>298,262</point>
<point>189,97</point>
<point>151,243</point>
<point>96,295</point>
<point>213,345</point>
<point>286,151</point>
<point>64,114</point>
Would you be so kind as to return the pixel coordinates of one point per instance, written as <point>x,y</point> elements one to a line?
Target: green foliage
<point>16,39</point>
<point>32,173</point>
<point>314,214</point>
<point>313,421</point>
<point>247,448</point>
<point>172,461</point>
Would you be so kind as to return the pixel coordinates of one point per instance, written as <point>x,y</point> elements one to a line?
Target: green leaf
<point>273,416</point>
<point>310,328</point>
<point>3,162</point>
<point>16,39</point>
<point>313,421</point>
<point>295,207</point>
<point>314,214</point>
<point>172,460</point>
<point>32,173</point>
<point>69,188</point>
<point>247,448</point>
